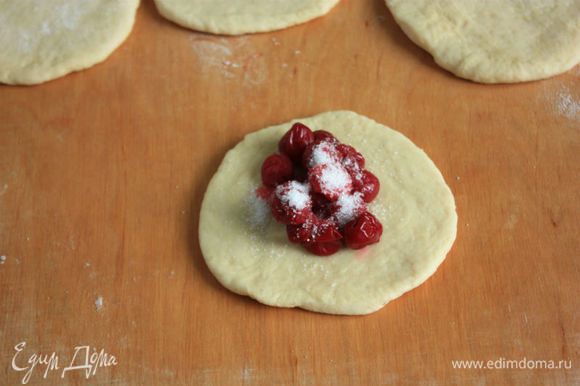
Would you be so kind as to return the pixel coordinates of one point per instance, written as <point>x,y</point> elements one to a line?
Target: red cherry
<point>320,152</point>
<point>316,187</point>
<point>287,215</point>
<point>324,249</point>
<point>350,156</point>
<point>313,231</point>
<point>319,135</point>
<point>325,239</point>
<point>276,169</point>
<point>326,231</point>
<point>356,174</point>
<point>321,206</point>
<point>329,180</point>
<point>362,231</point>
<point>370,186</point>
<point>291,203</point>
<point>295,141</point>
<point>300,233</point>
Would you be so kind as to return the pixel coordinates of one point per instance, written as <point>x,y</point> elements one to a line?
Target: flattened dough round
<point>237,17</point>
<point>495,41</point>
<point>415,206</point>
<point>46,39</point>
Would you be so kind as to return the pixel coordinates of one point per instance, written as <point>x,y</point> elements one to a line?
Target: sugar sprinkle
<point>335,178</point>
<point>322,154</point>
<point>294,194</point>
<point>349,206</point>
<point>567,105</point>
<point>99,303</point>
<point>259,211</point>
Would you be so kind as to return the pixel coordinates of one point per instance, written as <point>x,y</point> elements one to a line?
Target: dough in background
<point>42,40</point>
<point>237,17</point>
<point>495,41</point>
<point>254,258</point>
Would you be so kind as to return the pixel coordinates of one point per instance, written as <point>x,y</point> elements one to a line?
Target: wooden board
<point>102,174</point>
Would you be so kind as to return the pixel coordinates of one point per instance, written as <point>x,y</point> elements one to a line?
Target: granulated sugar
<point>335,178</point>
<point>258,211</point>
<point>322,153</point>
<point>232,58</point>
<point>294,194</point>
<point>349,206</point>
<point>567,105</point>
<point>561,100</point>
<point>99,303</point>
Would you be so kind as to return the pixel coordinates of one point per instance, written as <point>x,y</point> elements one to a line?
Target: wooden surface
<point>102,174</point>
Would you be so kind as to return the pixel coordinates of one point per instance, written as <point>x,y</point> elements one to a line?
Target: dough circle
<point>415,206</point>
<point>45,39</point>
<point>495,41</point>
<point>237,17</point>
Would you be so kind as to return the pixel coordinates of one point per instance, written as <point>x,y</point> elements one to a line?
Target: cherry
<point>291,203</point>
<point>276,169</point>
<point>325,239</point>
<point>350,156</point>
<point>362,231</point>
<point>324,249</point>
<point>321,206</point>
<point>356,173</point>
<point>320,152</point>
<point>295,141</point>
<point>326,231</point>
<point>329,180</point>
<point>313,230</point>
<point>284,214</point>
<point>319,188</point>
<point>370,186</point>
<point>300,233</point>
<point>323,134</point>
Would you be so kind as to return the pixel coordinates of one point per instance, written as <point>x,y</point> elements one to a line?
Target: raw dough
<point>45,39</point>
<point>415,206</point>
<point>495,41</point>
<point>237,17</point>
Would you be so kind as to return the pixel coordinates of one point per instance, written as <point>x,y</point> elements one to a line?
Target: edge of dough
<point>518,74</point>
<point>233,27</point>
<point>353,309</point>
<point>83,61</point>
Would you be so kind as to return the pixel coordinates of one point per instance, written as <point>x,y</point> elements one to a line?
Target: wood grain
<point>102,174</point>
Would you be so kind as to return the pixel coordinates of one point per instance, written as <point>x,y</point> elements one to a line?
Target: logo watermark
<point>85,359</point>
<point>513,364</point>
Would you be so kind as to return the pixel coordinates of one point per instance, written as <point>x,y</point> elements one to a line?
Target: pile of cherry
<point>319,188</point>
